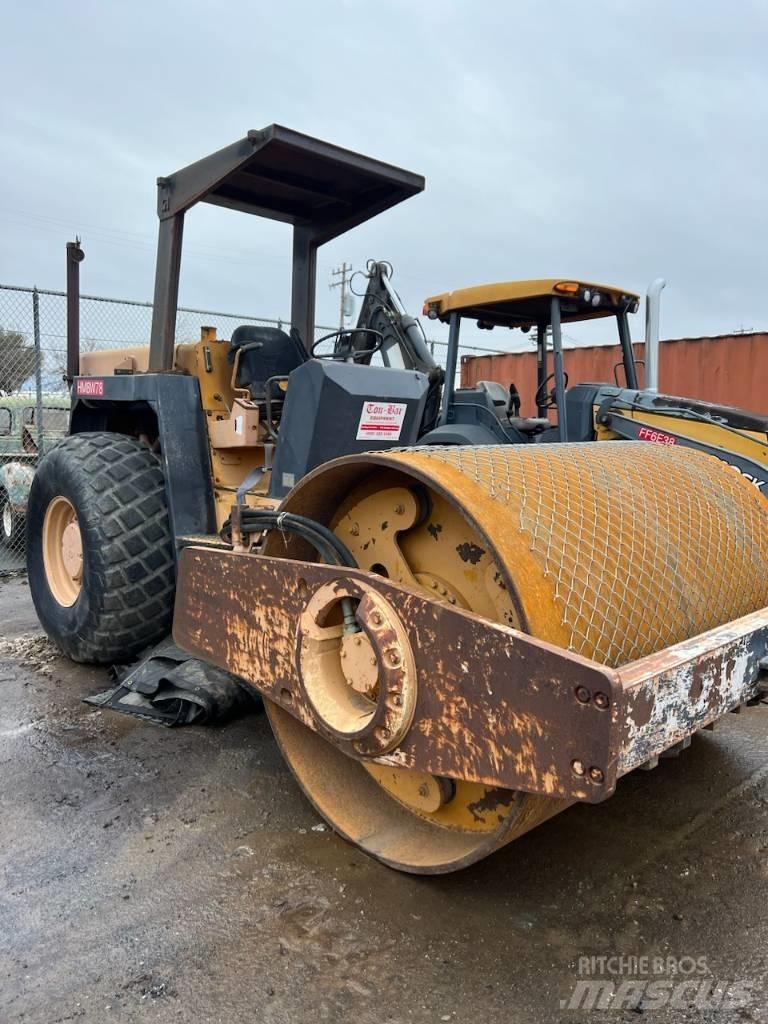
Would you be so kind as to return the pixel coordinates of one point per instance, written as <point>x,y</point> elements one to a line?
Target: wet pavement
<point>179,875</point>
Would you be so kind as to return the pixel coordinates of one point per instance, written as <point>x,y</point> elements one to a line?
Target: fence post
<point>38,371</point>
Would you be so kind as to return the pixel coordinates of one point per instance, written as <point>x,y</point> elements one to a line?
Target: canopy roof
<point>287,176</point>
<point>527,303</point>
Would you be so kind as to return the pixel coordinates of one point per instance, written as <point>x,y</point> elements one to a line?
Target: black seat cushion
<point>264,352</point>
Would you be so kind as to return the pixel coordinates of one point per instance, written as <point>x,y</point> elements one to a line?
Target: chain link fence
<point>34,399</point>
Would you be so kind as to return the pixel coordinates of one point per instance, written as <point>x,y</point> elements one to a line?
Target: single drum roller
<point>517,636</point>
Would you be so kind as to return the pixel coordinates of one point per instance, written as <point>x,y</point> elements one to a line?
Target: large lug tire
<point>11,523</point>
<point>100,553</point>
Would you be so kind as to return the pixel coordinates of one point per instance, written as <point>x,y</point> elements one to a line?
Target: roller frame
<point>492,705</point>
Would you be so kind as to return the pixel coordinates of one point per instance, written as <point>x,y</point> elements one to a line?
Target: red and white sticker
<point>656,436</point>
<point>380,420</point>
<point>89,387</point>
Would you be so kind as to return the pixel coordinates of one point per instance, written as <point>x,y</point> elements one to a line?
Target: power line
<point>125,239</point>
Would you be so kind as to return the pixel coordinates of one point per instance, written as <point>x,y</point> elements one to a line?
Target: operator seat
<point>265,352</point>
<point>504,402</point>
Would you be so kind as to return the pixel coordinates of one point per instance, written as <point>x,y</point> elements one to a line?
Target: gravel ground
<point>180,876</point>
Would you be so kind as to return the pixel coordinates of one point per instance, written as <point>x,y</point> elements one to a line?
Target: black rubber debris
<point>170,687</point>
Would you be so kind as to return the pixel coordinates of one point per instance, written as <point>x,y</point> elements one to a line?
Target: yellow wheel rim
<point>63,551</point>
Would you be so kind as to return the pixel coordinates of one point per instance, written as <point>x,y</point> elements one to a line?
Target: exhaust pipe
<point>652,308</point>
<point>75,257</point>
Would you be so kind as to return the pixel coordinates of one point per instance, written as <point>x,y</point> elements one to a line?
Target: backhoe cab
<point>584,411</point>
<point>541,304</point>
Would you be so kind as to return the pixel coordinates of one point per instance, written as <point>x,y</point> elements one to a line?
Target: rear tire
<point>122,600</point>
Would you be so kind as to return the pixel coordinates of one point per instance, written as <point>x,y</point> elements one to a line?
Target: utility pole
<point>342,272</point>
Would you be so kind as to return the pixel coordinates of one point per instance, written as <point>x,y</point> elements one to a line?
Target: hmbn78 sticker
<point>380,420</point>
<point>89,387</point>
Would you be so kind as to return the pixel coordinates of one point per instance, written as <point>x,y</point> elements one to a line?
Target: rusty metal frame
<point>320,189</point>
<point>671,695</point>
<point>492,705</point>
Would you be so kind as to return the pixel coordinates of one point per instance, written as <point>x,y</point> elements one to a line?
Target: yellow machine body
<point>609,551</point>
<point>752,444</point>
<point>237,434</point>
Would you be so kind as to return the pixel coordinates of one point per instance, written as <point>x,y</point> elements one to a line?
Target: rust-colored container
<point>728,369</point>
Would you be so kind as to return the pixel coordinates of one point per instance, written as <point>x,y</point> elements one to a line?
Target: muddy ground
<point>180,876</point>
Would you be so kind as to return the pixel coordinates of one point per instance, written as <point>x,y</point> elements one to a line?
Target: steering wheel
<point>541,399</point>
<point>341,355</point>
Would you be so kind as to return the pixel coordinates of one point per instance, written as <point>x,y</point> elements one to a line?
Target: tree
<point>17,360</point>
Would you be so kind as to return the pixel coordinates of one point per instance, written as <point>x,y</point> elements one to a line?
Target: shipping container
<point>729,369</point>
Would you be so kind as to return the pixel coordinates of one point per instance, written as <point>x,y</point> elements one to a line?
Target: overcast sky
<point>609,141</point>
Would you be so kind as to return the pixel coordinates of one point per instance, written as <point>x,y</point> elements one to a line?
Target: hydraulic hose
<point>323,540</point>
